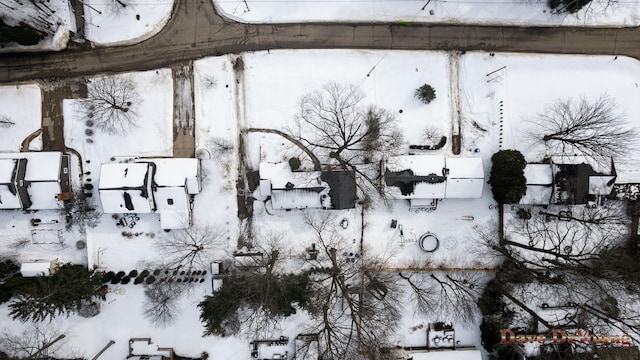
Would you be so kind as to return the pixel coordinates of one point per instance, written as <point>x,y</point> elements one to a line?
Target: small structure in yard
<point>569,180</point>
<point>38,268</point>
<point>145,349</point>
<point>163,186</point>
<point>441,344</point>
<point>424,179</point>
<point>34,180</point>
<point>293,190</point>
<point>270,348</point>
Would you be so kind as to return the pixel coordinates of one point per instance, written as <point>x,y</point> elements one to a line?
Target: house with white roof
<point>420,178</point>
<point>293,189</point>
<point>33,180</point>
<point>159,185</point>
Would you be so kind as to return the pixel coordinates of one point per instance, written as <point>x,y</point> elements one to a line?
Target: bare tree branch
<point>111,103</point>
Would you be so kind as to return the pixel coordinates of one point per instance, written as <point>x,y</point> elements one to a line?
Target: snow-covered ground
<point>20,115</point>
<point>109,23</point>
<point>54,16</point>
<point>494,90</point>
<point>505,12</point>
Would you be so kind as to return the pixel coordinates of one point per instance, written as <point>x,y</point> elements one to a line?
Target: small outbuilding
<point>38,268</point>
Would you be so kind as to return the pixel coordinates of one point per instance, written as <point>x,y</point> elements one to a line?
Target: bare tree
<point>117,7</point>
<point>5,121</point>
<point>111,103</point>
<point>595,128</point>
<point>579,264</point>
<point>189,248</point>
<point>447,296</point>
<point>34,342</point>
<point>334,123</point>
<point>431,134</point>
<point>355,307</point>
<point>160,307</point>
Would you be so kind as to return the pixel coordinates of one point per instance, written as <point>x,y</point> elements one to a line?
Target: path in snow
<point>183,112</point>
<point>454,100</point>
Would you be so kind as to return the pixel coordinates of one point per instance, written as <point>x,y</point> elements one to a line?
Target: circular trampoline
<point>429,242</point>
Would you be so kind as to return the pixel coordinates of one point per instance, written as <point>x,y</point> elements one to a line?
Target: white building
<point>420,178</point>
<point>293,190</point>
<point>163,186</point>
<point>33,180</point>
<point>38,268</point>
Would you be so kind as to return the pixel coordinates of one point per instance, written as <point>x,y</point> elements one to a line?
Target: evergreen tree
<point>507,176</point>
<point>425,93</point>
<point>49,296</point>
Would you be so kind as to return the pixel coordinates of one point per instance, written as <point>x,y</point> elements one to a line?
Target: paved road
<point>195,31</point>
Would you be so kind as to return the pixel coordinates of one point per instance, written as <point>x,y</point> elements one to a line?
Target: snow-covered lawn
<point>109,23</point>
<point>152,134</point>
<point>598,13</point>
<point>20,115</point>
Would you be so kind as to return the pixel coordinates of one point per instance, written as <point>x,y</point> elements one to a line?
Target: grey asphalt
<point>196,31</point>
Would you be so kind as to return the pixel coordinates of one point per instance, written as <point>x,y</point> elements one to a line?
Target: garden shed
<point>38,268</point>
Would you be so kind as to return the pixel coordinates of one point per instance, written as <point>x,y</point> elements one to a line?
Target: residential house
<point>159,185</point>
<point>306,189</point>
<point>569,180</point>
<point>33,180</point>
<point>424,179</point>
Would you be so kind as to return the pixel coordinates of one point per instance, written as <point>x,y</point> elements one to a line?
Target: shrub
<point>295,163</point>
<point>125,280</point>
<point>425,93</point>
<point>150,280</point>
<point>144,273</point>
<point>108,276</point>
<point>133,273</point>
<point>138,280</point>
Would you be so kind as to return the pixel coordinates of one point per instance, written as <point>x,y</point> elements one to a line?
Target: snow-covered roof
<point>297,199</point>
<point>599,185</point>
<point>43,195</point>
<point>172,172</point>
<point>538,174</point>
<point>448,355</point>
<point>465,188</point>
<point>41,166</point>
<point>123,175</point>
<point>537,195</point>
<point>421,165</point>
<point>280,175</point>
<point>465,168</point>
<point>602,167</point>
<point>118,201</point>
<point>7,168</point>
<point>425,190</point>
<point>9,200</point>
<point>38,268</point>
<point>464,180</point>
<point>173,206</point>
<point>628,177</point>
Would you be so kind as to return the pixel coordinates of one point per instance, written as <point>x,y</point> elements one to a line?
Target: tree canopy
<point>45,297</point>
<point>507,176</point>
